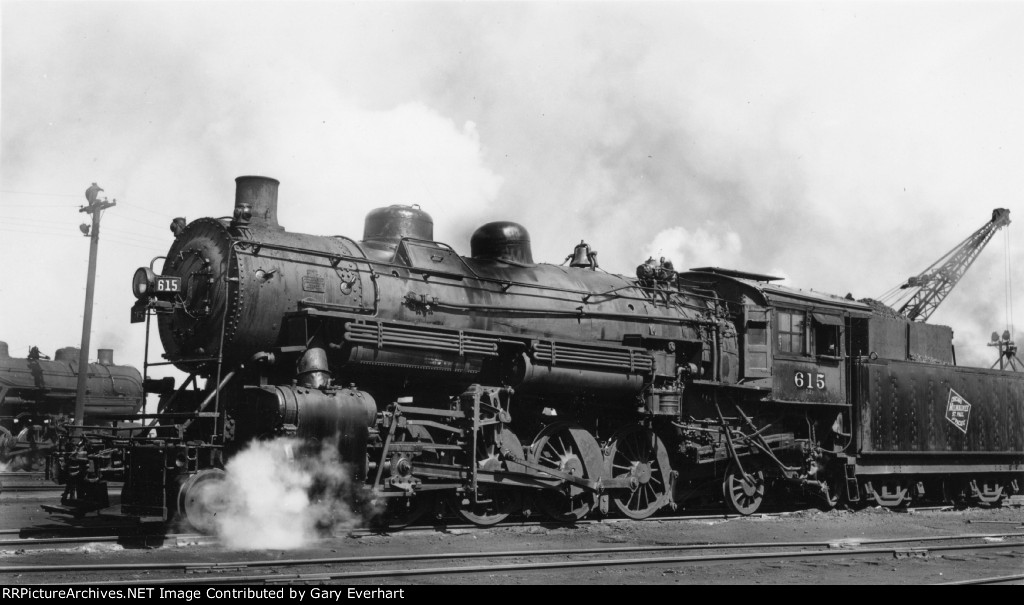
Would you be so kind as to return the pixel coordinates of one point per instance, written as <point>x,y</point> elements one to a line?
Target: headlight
<point>142,282</point>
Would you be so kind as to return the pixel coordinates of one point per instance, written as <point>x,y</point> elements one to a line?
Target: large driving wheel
<point>636,454</point>
<point>743,492</point>
<point>568,448</point>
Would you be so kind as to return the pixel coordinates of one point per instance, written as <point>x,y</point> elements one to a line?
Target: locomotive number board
<point>168,284</point>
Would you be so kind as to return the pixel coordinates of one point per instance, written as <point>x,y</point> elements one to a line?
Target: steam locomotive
<point>37,395</point>
<point>491,384</point>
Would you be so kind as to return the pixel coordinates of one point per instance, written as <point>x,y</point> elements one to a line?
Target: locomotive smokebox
<point>106,356</point>
<point>502,240</point>
<point>385,227</point>
<point>256,201</point>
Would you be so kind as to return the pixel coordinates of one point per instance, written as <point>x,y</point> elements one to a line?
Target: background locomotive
<point>37,394</point>
<point>496,384</point>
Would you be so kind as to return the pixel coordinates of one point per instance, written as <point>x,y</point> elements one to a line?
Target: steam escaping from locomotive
<point>280,494</point>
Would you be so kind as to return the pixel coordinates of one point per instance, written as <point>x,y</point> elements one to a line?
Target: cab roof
<point>774,293</point>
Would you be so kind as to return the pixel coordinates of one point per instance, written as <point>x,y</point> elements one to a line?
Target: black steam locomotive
<point>37,395</point>
<point>493,384</point>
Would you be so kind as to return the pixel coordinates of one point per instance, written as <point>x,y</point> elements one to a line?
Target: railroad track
<point>55,535</point>
<point>1014,579</point>
<point>21,474</point>
<point>885,547</point>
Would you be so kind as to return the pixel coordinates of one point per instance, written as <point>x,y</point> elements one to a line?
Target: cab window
<point>792,331</point>
<point>827,333</point>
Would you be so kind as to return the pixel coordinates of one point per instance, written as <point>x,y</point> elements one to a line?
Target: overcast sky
<point>843,145</point>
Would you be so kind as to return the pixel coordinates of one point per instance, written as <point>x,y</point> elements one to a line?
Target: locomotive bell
<point>582,256</point>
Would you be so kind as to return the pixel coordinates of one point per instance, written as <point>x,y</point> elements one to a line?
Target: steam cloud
<point>281,494</point>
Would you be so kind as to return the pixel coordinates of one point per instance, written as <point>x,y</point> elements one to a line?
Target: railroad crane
<point>932,286</point>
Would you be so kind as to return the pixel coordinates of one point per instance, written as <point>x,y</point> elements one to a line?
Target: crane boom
<point>935,283</point>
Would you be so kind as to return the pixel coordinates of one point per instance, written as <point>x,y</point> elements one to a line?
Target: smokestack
<point>256,201</point>
<point>106,356</point>
<point>4,354</point>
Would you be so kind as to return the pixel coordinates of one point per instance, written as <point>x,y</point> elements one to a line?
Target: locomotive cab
<point>792,343</point>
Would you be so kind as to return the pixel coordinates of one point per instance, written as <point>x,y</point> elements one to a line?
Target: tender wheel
<point>202,497</point>
<point>637,454</point>
<point>987,491</point>
<point>743,493</point>
<point>890,494</point>
<point>569,449</point>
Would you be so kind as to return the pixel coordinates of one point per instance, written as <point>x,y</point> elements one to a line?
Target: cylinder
<point>342,414</point>
<point>105,356</point>
<point>256,201</point>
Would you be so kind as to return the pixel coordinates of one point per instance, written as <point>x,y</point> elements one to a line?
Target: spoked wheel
<point>637,454</point>
<point>6,442</point>
<point>492,507</point>
<point>202,497</point>
<point>403,512</point>
<point>568,448</point>
<point>743,493</point>
<point>496,449</point>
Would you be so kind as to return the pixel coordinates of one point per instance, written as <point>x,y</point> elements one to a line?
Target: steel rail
<point>31,488</point>
<point>991,580</point>
<point>830,544</point>
<point>514,567</point>
<point>89,539</point>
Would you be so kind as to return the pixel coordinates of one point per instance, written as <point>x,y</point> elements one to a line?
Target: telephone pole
<point>94,208</point>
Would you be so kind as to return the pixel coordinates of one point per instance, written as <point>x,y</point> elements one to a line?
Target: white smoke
<point>282,494</point>
<point>710,244</point>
